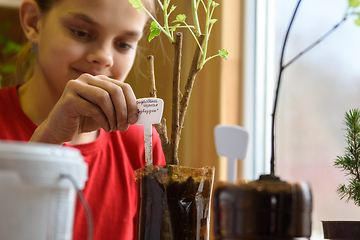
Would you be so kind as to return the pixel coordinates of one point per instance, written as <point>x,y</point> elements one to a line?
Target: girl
<point>76,96</point>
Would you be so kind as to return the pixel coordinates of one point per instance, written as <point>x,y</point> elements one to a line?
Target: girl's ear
<point>29,17</point>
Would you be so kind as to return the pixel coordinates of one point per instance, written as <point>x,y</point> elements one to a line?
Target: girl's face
<point>98,37</point>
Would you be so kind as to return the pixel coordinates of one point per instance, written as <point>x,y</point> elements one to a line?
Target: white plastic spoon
<point>150,112</point>
<point>231,141</point>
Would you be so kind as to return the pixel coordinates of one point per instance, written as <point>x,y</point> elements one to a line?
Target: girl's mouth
<point>81,72</point>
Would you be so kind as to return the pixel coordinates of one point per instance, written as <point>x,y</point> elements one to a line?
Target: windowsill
<point>10,3</point>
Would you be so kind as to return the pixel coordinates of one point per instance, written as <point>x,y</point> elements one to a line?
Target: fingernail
<point>123,127</point>
<point>133,118</point>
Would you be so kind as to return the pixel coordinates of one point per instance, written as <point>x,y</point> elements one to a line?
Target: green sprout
<point>180,22</point>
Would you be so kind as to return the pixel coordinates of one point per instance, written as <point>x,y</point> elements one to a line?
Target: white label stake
<point>150,112</point>
<point>231,141</point>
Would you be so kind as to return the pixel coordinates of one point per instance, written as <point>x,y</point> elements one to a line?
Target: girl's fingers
<point>98,97</point>
<point>129,98</point>
<point>88,104</point>
<point>92,117</point>
<point>132,109</point>
<point>82,106</point>
<point>116,99</point>
<point>70,116</point>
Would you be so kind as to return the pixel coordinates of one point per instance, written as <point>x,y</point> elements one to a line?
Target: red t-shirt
<point>112,159</point>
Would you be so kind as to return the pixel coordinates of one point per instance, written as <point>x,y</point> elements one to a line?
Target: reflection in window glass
<point>316,91</point>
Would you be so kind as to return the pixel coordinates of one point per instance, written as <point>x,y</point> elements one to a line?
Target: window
<point>259,83</point>
<point>316,91</point>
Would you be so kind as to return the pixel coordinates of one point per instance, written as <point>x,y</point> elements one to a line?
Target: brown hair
<point>25,58</point>
<point>45,5</point>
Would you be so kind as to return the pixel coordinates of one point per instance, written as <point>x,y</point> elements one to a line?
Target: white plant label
<point>150,111</point>
<point>231,141</point>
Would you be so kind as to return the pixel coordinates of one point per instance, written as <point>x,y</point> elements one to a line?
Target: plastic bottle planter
<point>264,209</point>
<point>174,202</point>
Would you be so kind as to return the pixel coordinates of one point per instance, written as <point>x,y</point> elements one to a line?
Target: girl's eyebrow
<point>89,20</point>
<point>83,17</point>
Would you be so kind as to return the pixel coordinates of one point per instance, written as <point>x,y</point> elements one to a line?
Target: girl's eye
<point>80,34</point>
<point>124,46</point>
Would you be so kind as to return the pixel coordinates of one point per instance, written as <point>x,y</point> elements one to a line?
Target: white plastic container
<point>36,203</point>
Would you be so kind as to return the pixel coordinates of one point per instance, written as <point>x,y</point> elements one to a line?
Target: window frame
<point>260,70</point>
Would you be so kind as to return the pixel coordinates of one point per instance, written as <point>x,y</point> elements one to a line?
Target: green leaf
<point>180,18</point>
<point>173,28</point>
<point>154,31</point>
<point>173,7</point>
<point>212,21</point>
<point>137,4</point>
<point>223,53</point>
<point>354,3</point>
<point>8,68</point>
<point>154,26</point>
<point>357,21</point>
<point>214,4</point>
<point>11,47</point>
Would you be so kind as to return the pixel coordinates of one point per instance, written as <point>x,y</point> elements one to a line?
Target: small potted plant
<point>175,201</point>
<point>349,163</point>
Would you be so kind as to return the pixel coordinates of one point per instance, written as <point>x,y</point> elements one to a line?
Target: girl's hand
<point>88,104</point>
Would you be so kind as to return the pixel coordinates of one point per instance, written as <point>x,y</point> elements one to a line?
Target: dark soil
<point>172,207</point>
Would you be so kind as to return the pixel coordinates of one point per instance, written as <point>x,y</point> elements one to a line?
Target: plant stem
<point>195,17</point>
<point>151,76</point>
<point>175,129</point>
<point>209,58</point>
<point>161,127</point>
<point>194,35</point>
<point>315,43</point>
<point>159,25</point>
<point>194,69</point>
<point>281,69</point>
<point>166,17</point>
<point>204,5</point>
<point>165,143</point>
<point>272,161</point>
<point>162,7</point>
<point>208,12</point>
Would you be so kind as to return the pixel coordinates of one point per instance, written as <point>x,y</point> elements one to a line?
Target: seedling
<point>170,29</point>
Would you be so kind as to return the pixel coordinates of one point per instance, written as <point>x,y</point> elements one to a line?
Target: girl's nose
<point>101,56</point>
